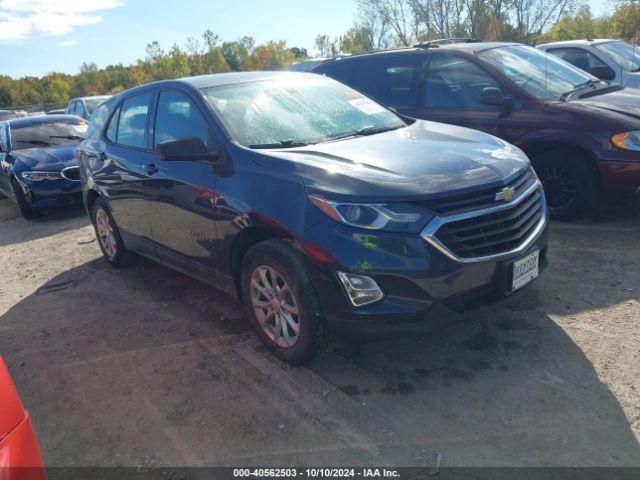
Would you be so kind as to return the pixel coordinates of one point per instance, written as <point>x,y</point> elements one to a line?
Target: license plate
<point>525,270</point>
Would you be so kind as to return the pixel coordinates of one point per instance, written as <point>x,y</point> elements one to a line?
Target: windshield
<point>540,74</point>
<point>48,134</point>
<point>293,111</point>
<point>625,55</point>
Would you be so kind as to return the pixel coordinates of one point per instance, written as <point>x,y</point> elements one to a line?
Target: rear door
<point>120,172</point>
<point>451,93</point>
<point>183,192</point>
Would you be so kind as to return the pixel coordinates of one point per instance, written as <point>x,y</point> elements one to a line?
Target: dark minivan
<point>582,135</point>
<point>321,210</point>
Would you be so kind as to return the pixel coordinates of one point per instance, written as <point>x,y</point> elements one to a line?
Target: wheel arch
<point>244,241</point>
<point>542,146</point>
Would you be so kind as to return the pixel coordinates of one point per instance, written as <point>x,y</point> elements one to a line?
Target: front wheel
<point>108,236</point>
<point>569,183</point>
<point>25,207</point>
<point>282,304</point>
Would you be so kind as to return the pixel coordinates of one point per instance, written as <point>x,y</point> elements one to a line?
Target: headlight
<point>393,217</point>
<point>40,176</point>
<point>627,140</point>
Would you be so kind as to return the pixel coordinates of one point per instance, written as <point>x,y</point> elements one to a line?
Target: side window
<point>112,130</point>
<point>132,121</point>
<point>98,120</point>
<point>391,79</point>
<point>455,83</point>
<point>340,70</point>
<point>3,138</point>
<point>71,107</point>
<point>580,58</point>
<point>178,117</point>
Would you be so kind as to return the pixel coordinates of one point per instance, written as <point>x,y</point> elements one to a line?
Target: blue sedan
<point>39,168</point>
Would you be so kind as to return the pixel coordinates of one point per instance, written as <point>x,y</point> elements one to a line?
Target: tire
<point>279,263</point>
<point>570,184</point>
<point>108,235</point>
<point>26,209</point>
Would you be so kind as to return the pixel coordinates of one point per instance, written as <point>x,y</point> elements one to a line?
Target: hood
<point>423,160</point>
<point>632,80</point>
<point>47,159</point>
<point>622,106</point>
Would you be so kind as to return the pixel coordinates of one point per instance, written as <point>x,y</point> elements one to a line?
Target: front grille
<point>480,199</point>
<point>493,233</point>
<point>71,173</point>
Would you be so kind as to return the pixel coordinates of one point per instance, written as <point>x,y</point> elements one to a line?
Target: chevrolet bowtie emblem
<point>506,194</point>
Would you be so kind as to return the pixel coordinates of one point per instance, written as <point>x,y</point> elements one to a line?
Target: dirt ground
<point>146,367</point>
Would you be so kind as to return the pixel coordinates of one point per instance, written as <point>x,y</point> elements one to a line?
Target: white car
<point>84,106</point>
<point>613,61</point>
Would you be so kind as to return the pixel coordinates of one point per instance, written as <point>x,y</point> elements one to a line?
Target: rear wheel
<point>282,304</point>
<point>25,207</point>
<point>570,184</point>
<point>108,235</point>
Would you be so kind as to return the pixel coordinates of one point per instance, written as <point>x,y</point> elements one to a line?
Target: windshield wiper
<point>577,88</point>
<point>373,130</point>
<point>363,132</point>
<point>68,137</point>
<point>282,144</point>
<point>35,142</point>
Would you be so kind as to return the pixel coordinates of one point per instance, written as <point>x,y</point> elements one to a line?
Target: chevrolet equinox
<point>319,209</point>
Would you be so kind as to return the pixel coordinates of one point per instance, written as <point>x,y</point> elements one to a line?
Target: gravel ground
<point>146,367</point>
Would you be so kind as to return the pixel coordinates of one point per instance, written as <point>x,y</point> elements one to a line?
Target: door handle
<point>150,169</point>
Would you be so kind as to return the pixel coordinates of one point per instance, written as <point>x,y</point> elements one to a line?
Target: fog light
<point>362,290</point>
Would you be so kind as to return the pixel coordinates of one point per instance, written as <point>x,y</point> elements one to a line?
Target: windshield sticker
<point>367,106</point>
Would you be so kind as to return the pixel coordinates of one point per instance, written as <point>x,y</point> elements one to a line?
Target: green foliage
<point>625,21</point>
<point>357,39</point>
<point>581,26</point>
<point>270,56</point>
<point>200,56</point>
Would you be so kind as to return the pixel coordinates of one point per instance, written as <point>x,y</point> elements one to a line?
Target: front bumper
<point>50,194</point>
<point>425,287</point>
<point>620,175</point>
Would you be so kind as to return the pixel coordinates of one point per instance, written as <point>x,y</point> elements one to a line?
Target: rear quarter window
<point>392,79</point>
<point>340,70</point>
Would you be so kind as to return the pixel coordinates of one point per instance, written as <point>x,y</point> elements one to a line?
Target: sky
<point>41,36</point>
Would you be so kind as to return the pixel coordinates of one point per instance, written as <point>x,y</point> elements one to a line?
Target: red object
<point>620,175</point>
<point>19,452</point>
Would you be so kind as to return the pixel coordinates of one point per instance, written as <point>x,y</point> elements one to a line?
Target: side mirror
<point>188,149</point>
<point>603,73</point>
<point>494,96</point>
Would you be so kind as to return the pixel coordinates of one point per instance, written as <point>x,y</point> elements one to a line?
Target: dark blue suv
<point>320,209</point>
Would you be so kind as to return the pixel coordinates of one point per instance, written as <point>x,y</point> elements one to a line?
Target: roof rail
<point>445,41</point>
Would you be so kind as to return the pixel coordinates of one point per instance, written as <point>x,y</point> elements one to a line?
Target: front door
<point>120,174</point>
<point>452,90</point>
<point>182,192</point>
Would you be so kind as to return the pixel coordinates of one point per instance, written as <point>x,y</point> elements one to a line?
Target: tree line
<point>379,24</point>
<point>203,55</point>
